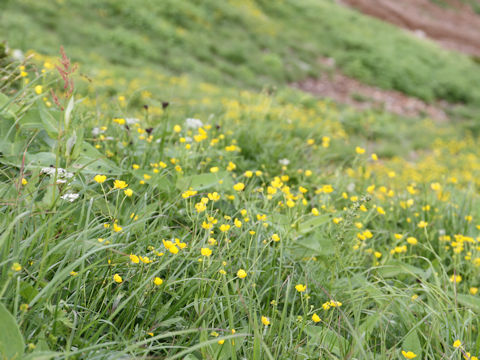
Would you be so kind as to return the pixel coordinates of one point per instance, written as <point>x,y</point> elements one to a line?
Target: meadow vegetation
<point>152,215</point>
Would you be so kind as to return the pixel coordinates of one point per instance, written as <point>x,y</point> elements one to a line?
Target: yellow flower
<point>214,169</point>
<point>119,184</point>
<point>128,192</point>
<point>248,174</point>
<point>422,224</point>
<point>457,343</point>
<point>473,290</point>
<point>117,228</point>
<point>73,273</point>
<point>412,241</point>
<point>177,128</point>
<point>436,186</point>
<point>456,278</point>
<point>117,278</point>
<point>136,166</point>
<point>224,227</point>
<point>221,341</point>
<point>408,354</point>
<point>100,178</point>
<point>265,321</point>
<point>206,252</point>
<point>316,318</point>
<point>315,212</point>
<point>374,157</point>
<point>38,89</point>
<point>241,273</point>
<point>134,259</point>
<point>188,193</point>
<point>300,287</point>
<point>359,150</point>
<point>239,186</point>
<point>380,210</point>
<point>158,281</point>
<point>16,267</point>
<point>275,237</point>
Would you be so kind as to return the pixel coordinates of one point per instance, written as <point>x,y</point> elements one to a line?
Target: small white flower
<point>131,121</point>
<point>188,139</point>
<point>70,197</point>
<point>96,131</point>
<point>193,123</point>
<point>18,55</point>
<point>61,173</point>
<point>284,162</point>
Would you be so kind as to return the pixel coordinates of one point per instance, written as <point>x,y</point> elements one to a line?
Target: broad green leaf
<point>202,181</point>
<point>469,301</point>
<point>11,340</point>
<point>91,161</point>
<point>412,343</point>
<point>310,224</point>
<point>41,355</point>
<point>50,124</point>
<point>396,267</point>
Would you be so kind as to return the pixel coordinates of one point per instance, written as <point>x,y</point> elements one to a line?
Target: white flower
<point>188,139</point>
<point>62,174</point>
<point>70,197</point>
<point>96,131</point>
<point>193,123</point>
<point>284,162</point>
<point>17,54</point>
<point>131,121</point>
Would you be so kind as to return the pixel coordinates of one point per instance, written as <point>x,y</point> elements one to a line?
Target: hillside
<point>167,194</point>
<point>252,43</point>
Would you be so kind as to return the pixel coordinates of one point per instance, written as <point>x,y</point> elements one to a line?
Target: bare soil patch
<point>455,27</point>
<point>346,90</point>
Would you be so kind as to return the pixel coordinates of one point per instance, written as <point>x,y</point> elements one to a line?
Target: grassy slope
<point>252,43</point>
<point>401,300</point>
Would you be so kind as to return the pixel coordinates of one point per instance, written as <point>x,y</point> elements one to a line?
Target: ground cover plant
<point>174,221</point>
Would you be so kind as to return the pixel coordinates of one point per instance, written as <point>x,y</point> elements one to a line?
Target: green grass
<point>344,220</point>
<point>246,43</point>
<point>67,304</point>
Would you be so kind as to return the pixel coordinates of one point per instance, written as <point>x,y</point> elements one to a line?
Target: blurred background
<point>411,57</point>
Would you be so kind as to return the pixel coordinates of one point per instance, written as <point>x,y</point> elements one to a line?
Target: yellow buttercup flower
<point>457,343</point>
<point>316,318</point>
<point>265,321</point>
<point>100,178</point>
<point>239,186</point>
<point>300,287</point>
<point>158,281</point>
<point>206,252</point>
<point>241,274</point>
<point>408,354</point>
<point>117,278</point>
<point>119,184</point>
<point>128,192</point>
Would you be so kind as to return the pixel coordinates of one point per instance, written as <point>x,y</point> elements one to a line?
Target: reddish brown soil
<point>456,27</point>
<point>349,91</point>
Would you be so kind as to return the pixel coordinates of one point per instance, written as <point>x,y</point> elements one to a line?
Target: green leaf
<point>327,338</point>
<point>49,123</point>
<point>468,300</point>
<point>310,224</point>
<point>202,181</point>
<point>41,355</point>
<point>11,340</point>
<point>412,343</point>
<point>91,161</point>
<point>68,111</point>
<point>394,268</point>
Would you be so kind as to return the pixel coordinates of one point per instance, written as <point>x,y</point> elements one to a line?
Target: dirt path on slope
<point>456,26</point>
<point>346,90</point>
